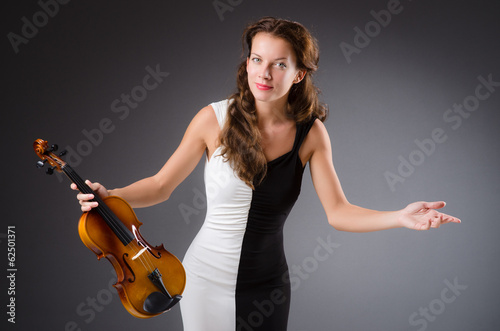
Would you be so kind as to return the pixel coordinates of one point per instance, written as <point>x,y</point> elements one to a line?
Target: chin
<point>265,96</point>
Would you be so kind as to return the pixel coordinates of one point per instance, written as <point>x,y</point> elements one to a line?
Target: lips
<point>263,87</point>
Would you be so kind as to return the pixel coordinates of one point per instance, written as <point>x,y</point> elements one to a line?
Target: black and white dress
<point>237,275</point>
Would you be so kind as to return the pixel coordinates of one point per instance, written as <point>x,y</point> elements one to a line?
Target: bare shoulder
<point>317,139</point>
<point>206,116</point>
<point>205,128</point>
<point>318,132</point>
<point>204,122</point>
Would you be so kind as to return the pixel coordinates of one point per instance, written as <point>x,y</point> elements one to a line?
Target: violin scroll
<point>152,280</point>
<point>45,153</point>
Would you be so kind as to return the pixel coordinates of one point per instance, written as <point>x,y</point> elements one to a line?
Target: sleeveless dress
<point>237,275</point>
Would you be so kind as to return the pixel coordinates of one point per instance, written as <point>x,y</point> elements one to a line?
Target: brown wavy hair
<point>240,136</point>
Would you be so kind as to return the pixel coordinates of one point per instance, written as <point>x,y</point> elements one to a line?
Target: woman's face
<point>271,68</point>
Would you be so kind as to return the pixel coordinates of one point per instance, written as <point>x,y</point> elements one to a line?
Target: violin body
<point>133,284</point>
<point>150,280</point>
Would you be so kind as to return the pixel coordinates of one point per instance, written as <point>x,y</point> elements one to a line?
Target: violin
<point>150,280</point>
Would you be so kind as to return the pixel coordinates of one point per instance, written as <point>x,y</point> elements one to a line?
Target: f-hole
<point>128,266</point>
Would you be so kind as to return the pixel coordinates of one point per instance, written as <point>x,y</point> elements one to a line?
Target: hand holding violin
<point>150,280</point>
<point>85,199</point>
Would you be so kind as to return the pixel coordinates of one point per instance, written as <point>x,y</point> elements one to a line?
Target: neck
<point>269,113</point>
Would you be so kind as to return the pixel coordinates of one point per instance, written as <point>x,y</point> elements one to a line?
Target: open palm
<point>423,216</point>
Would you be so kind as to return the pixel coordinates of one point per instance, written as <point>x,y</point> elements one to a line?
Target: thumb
<point>98,188</point>
<point>93,186</point>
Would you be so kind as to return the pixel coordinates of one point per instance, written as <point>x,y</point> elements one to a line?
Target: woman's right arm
<point>201,135</point>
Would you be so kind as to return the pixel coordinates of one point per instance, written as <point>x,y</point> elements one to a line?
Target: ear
<point>248,60</point>
<point>300,76</point>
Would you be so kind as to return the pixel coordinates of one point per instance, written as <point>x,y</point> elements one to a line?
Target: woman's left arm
<point>344,216</point>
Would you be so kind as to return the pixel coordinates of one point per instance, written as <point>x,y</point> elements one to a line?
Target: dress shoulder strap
<point>302,131</point>
<point>220,109</point>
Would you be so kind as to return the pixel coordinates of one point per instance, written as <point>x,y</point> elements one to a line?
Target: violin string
<point>87,190</point>
<point>145,261</point>
<point>145,258</point>
<point>115,225</point>
<point>132,243</point>
<point>135,247</point>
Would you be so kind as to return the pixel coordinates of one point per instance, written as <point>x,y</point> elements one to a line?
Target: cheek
<point>285,78</point>
<point>251,71</point>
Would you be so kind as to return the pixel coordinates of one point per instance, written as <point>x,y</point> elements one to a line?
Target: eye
<point>256,60</point>
<point>281,65</point>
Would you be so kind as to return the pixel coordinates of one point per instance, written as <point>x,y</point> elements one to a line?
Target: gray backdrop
<point>414,94</point>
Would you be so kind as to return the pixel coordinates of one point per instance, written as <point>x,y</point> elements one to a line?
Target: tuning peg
<point>63,152</point>
<point>40,164</point>
<point>50,171</point>
<point>54,147</point>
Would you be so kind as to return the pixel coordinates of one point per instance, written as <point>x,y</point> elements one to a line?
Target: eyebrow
<point>278,59</point>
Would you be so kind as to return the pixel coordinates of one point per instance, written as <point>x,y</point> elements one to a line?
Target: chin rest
<point>158,302</point>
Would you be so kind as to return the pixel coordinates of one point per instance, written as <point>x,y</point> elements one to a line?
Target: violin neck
<point>122,232</point>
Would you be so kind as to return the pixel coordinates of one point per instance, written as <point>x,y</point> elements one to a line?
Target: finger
<point>84,197</point>
<point>92,204</point>
<point>449,219</point>
<point>94,186</point>
<point>436,222</point>
<point>424,226</point>
<point>88,205</point>
<point>434,204</point>
<point>86,208</point>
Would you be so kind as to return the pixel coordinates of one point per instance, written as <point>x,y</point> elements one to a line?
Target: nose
<point>265,73</point>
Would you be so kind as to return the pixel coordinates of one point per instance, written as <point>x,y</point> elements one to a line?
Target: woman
<point>257,144</point>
